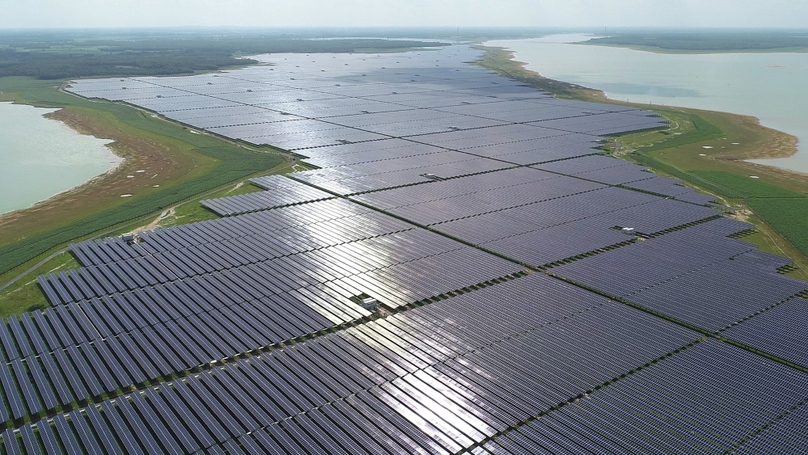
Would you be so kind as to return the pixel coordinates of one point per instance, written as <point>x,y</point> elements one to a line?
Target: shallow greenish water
<point>770,86</point>
<point>40,157</point>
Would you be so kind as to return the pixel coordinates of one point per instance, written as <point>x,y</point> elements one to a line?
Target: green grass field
<point>25,294</point>
<point>699,149</point>
<point>211,167</point>
<point>201,163</point>
<point>192,212</point>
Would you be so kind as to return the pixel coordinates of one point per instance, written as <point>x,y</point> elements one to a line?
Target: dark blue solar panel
<point>787,435</point>
<point>779,331</point>
<point>626,270</point>
<point>706,399</point>
<point>183,297</point>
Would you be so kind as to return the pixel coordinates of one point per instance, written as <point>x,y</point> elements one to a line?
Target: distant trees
<point>709,41</point>
<point>61,57</point>
<point>46,65</point>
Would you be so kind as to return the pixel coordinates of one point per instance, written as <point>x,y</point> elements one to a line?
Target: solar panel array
<point>377,372</point>
<point>780,331</point>
<point>274,196</point>
<point>710,398</point>
<point>690,267</point>
<point>437,284</point>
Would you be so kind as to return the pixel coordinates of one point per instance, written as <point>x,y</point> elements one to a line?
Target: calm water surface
<point>40,157</point>
<point>770,86</point>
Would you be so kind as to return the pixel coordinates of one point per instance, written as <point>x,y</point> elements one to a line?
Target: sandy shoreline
<point>776,144</point>
<point>135,153</point>
<point>117,164</point>
<point>659,50</point>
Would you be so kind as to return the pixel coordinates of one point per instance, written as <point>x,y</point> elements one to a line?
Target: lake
<point>770,86</point>
<point>40,157</point>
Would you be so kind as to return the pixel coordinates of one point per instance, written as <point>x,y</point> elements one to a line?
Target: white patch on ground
<point>706,146</point>
<point>754,177</point>
<point>126,195</point>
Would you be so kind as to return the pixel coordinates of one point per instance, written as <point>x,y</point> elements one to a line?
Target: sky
<point>382,13</point>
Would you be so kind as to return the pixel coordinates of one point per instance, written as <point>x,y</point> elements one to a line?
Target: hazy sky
<point>295,13</point>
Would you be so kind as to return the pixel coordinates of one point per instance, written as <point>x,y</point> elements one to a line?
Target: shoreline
<point>118,163</point>
<point>707,159</point>
<point>659,50</point>
<point>115,159</point>
<point>784,146</point>
<point>161,163</point>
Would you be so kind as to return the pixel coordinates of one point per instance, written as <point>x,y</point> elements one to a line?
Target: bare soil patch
<point>160,165</point>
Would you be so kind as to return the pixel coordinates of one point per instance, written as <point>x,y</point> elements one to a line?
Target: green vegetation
<point>778,202</point>
<point>707,41</point>
<point>698,130</point>
<point>786,216</point>
<point>25,295</point>
<point>192,211</point>
<point>70,55</point>
<point>232,166</point>
<point>706,150</point>
<point>195,163</point>
<point>743,187</point>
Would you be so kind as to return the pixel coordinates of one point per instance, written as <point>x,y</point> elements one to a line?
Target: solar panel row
<point>184,236</point>
<point>251,202</point>
<point>734,290</point>
<point>644,264</point>
<point>780,331</point>
<point>273,106</point>
<point>378,176</point>
<point>420,394</point>
<point>218,255</point>
<point>706,399</point>
<point>159,330</point>
<point>496,357</point>
<point>789,435</point>
<point>691,266</point>
<point>135,346</point>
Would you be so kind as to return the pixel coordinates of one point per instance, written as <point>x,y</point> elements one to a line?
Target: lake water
<point>770,86</point>
<point>40,157</point>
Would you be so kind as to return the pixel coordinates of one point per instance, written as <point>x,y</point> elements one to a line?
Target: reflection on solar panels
<point>779,331</point>
<point>378,175</point>
<point>381,371</point>
<point>666,406</point>
<point>697,265</point>
<point>424,289</point>
<point>289,194</point>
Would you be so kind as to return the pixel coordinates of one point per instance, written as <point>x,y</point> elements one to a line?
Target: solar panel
<point>257,319</point>
<point>665,406</point>
<point>786,435</point>
<point>778,331</point>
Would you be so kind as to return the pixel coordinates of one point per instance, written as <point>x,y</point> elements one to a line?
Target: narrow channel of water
<point>770,86</point>
<point>40,157</point>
